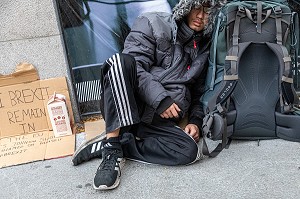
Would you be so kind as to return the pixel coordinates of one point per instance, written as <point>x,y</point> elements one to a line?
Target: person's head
<point>197,18</point>
<point>198,14</point>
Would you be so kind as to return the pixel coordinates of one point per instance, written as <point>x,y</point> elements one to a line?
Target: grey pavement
<point>245,170</point>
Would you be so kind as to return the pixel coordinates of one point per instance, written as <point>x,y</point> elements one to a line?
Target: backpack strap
<point>218,116</point>
<point>287,94</point>
<point>215,41</point>
<point>278,17</point>
<point>295,43</point>
<point>233,57</point>
<point>219,122</point>
<point>249,15</point>
<point>259,16</point>
<point>287,87</point>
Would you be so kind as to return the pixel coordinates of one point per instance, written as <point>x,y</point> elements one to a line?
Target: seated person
<point>156,81</point>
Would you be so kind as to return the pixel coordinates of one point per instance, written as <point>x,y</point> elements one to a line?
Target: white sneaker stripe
<point>107,145</point>
<point>98,146</point>
<point>93,148</point>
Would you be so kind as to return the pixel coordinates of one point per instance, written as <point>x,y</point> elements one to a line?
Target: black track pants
<point>118,83</point>
<point>162,141</point>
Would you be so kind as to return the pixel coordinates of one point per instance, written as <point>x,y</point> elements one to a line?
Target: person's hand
<point>171,112</point>
<point>193,130</point>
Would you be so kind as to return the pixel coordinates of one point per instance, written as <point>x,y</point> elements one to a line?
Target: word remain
<point>19,116</point>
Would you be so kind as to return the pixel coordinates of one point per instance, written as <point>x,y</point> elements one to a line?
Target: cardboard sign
<point>33,147</point>
<point>23,106</point>
<point>25,129</point>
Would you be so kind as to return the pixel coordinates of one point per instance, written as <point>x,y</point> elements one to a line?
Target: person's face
<point>198,18</point>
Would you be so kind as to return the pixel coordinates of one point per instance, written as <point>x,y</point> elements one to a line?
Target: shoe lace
<point>108,163</point>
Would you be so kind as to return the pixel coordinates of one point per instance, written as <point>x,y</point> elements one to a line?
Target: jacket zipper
<point>181,55</point>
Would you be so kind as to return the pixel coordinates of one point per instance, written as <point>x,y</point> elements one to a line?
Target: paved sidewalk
<point>245,170</point>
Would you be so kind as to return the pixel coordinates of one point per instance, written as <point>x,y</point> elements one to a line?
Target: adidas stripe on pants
<point>117,103</point>
<point>162,141</point>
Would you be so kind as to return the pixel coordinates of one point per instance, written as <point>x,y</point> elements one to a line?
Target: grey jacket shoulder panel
<point>152,36</point>
<point>162,24</point>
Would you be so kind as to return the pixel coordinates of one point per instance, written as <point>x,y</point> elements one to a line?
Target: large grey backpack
<point>249,86</point>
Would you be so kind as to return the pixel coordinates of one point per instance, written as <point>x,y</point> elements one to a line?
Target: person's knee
<point>127,61</point>
<point>124,63</point>
<point>190,154</point>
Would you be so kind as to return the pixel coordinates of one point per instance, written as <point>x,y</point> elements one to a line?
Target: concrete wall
<point>30,31</point>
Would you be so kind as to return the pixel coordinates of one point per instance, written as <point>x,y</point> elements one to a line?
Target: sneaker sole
<point>117,182</point>
<point>88,142</point>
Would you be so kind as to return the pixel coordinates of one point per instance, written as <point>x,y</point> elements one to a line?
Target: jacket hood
<point>183,8</point>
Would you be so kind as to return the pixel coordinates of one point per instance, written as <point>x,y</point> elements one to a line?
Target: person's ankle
<point>113,139</point>
<point>112,144</point>
<point>114,133</point>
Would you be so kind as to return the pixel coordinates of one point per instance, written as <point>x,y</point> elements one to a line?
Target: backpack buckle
<point>207,122</point>
<point>277,10</point>
<point>221,109</point>
<point>241,9</point>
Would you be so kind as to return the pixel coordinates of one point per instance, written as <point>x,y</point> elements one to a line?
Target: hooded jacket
<point>171,60</point>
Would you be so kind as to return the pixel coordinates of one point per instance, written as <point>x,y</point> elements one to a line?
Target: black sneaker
<point>109,172</point>
<point>89,150</point>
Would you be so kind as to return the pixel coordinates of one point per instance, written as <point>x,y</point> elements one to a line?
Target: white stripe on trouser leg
<point>120,91</point>
<point>122,87</point>
<point>112,86</point>
<point>129,116</point>
<point>93,148</point>
<point>113,94</point>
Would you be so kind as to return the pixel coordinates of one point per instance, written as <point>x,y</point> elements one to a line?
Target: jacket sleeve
<point>141,44</point>
<point>196,113</point>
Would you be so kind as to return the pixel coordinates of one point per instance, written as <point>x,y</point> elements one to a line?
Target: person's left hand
<point>193,130</point>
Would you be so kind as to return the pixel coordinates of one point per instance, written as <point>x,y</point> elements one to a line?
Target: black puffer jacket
<point>171,64</point>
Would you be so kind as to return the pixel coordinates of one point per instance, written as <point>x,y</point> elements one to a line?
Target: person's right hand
<point>171,112</point>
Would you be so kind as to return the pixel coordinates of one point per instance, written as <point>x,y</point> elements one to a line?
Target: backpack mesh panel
<point>254,97</point>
